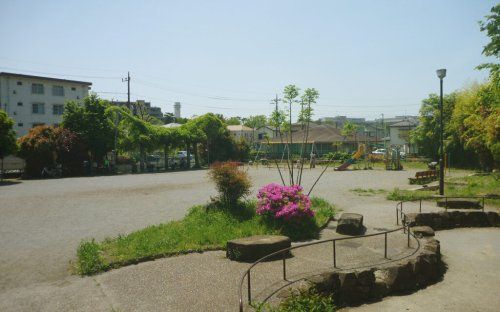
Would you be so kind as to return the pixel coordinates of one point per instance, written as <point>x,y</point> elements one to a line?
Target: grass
<point>301,300</point>
<point>368,192</point>
<point>201,229</point>
<point>461,186</point>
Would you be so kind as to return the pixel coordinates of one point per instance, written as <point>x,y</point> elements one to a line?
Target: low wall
<point>452,219</point>
<point>357,286</point>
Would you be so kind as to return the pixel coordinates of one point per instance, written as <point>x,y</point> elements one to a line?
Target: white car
<point>379,151</point>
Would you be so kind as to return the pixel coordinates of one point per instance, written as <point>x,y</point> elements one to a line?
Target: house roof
<point>238,128</point>
<point>323,134</point>
<point>172,125</point>
<point>404,123</point>
<point>5,74</point>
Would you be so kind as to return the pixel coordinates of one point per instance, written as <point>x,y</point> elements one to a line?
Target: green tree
<point>168,118</point>
<point>256,121</point>
<point>233,121</point>
<point>426,134</point>
<point>491,25</point>
<point>7,137</point>
<point>350,129</point>
<point>475,122</point>
<point>92,123</point>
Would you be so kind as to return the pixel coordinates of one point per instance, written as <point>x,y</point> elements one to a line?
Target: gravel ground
<point>42,222</point>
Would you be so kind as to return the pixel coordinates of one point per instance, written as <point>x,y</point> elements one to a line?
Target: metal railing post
<point>334,256</point>
<point>397,215</point>
<point>249,288</point>
<point>483,204</point>
<point>420,210</point>
<point>446,203</point>
<point>284,267</point>
<point>385,245</point>
<point>408,231</point>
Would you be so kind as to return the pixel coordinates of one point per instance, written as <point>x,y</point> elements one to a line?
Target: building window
<point>56,125</point>
<point>19,124</point>
<point>57,90</point>
<point>19,83</point>
<point>19,103</point>
<point>57,109</point>
<point>36,124</point>
<point>38,108</point>
<point>14,92</point>
<point>37,88</point>
<point>73,89</point>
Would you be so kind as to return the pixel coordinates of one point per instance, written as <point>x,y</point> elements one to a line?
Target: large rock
<point>350,224</point>
<point>422,231</point>
<point>459,204</point>
<point>250,249</point>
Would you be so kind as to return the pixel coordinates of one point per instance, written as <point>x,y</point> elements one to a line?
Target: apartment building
<point>152,111</point>
<point>35,100</point>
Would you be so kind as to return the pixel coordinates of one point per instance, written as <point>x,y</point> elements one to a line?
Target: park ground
<point>43,221</point>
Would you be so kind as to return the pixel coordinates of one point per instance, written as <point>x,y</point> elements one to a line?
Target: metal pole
<point>420,206</point>
<point>284,267</point>
<point>483,204</point>
<point>385,245</point>
<point>249,288</point>
<point>408,231</point>
<point>397,215</point>
<point>334,256</point>
<point>441,168</point>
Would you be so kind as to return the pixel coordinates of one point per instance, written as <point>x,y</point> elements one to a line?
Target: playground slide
<point>352,160</point>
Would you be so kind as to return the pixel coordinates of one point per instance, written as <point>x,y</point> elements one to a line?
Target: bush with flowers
<point>286,203</point>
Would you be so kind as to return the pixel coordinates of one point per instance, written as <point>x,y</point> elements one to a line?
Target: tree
<point>309,97</point>
<point>491,25</point>
<point>256,121</point>
<point>476,122</point>
<point>350,129</point>
<point>168,118</point>
<point>233,121</point>
<point>48,146</point>
<point>92,124</point>
<point>7,137</point>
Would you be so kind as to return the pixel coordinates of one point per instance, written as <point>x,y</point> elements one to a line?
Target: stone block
<point>422,231</point>
<point>350,224</point>
<point>250,249</point>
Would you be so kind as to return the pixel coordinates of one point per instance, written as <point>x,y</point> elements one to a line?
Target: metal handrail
<point>284,252</point>
<point>399,206</point>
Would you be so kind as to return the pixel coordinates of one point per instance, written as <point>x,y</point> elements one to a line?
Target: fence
<point>285,252</point>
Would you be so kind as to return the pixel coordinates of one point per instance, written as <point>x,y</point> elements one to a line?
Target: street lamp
<point>441,73</point>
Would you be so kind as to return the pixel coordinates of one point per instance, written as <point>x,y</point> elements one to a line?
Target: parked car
<point>379,151</point>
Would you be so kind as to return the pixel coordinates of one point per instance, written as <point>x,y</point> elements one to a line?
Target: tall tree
<point>233,121</point>
<point>92,124</point>
<point>256,121</point>
<point>7,137</point>
<point>491,25</point>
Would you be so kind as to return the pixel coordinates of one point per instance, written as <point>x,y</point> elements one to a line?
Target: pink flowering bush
<point>286,203</point>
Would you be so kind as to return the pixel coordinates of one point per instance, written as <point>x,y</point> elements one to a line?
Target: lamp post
<point>441,73</point>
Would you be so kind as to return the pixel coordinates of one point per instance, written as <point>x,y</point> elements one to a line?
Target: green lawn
<point>461,186</point>
<point>201,229</point>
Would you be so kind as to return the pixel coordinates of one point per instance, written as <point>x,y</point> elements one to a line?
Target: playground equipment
<point>359,153</point>
<point>392,159</point>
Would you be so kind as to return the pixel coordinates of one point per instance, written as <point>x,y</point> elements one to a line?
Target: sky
<point>366,58</point>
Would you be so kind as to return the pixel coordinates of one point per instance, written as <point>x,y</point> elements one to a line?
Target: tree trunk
<point>165,165</point>
<point>196,156</point>
<point>188,158</point>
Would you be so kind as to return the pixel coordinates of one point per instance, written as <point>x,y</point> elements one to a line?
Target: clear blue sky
<point>231,57</point>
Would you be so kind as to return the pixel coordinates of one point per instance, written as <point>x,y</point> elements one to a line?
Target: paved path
<point>42,222</point>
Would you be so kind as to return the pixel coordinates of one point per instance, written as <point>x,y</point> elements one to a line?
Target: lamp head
<point>441,73</point>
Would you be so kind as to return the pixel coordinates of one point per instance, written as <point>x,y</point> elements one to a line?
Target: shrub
<point>286,203</point>
<point>47,146</point>
<point>231,182</point>
<point>302,300</point>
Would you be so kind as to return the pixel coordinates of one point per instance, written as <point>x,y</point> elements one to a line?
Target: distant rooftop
<point>239,128</point>
<point>5,74</point>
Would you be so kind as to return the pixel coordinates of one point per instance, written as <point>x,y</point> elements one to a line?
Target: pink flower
<point>284,202</point>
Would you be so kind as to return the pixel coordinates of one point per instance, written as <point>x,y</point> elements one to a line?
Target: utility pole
<point>128,90</point>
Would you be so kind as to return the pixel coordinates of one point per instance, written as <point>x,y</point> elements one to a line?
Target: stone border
<point>356,286</point>
<point>453,219</point>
